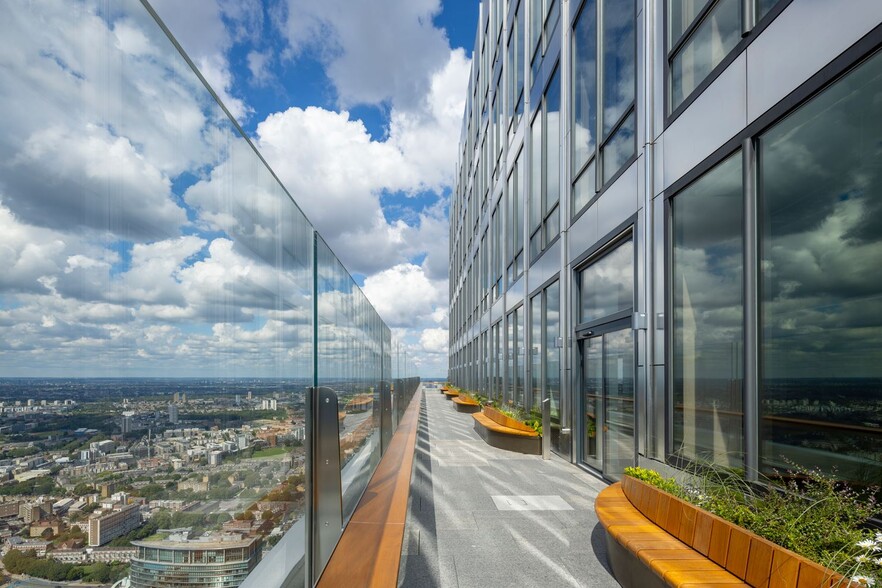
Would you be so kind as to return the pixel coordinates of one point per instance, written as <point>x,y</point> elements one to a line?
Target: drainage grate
<point>530,503</point>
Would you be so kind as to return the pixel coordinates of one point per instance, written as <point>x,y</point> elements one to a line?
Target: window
<point>700,35</point>
<point>708,312</point>
<point>607,285</point>
<point>820,188</point>
<point>551,324</point>
<point>545,16</point>
<point>536,351</point>
<point>584,124</point>
<point>516,69</point>
<point>614,121</point>
<point>544,209</point>
<point>515,220</point>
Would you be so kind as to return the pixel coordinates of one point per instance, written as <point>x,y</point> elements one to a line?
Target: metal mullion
<point>684,38</point>
<point>750,426</point>
<point>598,120</point>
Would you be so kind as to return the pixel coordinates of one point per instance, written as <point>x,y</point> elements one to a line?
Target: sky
<point>136,229</point>
<point>352,86</point>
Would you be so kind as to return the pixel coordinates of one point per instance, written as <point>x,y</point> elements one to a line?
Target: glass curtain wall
<point>611,81</point>
<point>545,193</point>
<point>708,316</point>
<point>820,185</point>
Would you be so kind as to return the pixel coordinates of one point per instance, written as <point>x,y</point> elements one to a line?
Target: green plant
<point>803,510</point>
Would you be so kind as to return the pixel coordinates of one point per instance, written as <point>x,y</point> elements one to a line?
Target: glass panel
<point>521,190</point>
<point>584,189</point>
<point>536,350</point>
<point>519,356</point>
<point>619,60</point>
<point>763,7</point>
<point>681,13</point>
<point>592,390</point>
<point>560,438</point>
<point>519,62</point>
<point>618,392</point>
<point>620,148</point>
<point>348,362</point>
<point>607,285</point>
<point>510,357</point>
<point>156,286</point>
<point>708,335</point>
<point>552,225</point>
<point>552,142</point>
<point>584,84</point>
<point>714,38</point>
<point>536,173</point>
<point>821,304</point>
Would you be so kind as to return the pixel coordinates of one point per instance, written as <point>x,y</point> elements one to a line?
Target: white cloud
<point>259,66</point>
<point>405,297</point>
<point>374,52</point>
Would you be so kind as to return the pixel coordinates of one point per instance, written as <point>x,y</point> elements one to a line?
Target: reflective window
<point>560,438</point>
<point>515,219</point>
<point>614,122</point>
<point>544,209</point>
<point>681,14</point>
<point>584,85</point>
<point>708,312</point>
<point>619,61</point>
<point>707,45</point>
<point>536,350</point>
<point>607,285</point>
<point>820,180</point>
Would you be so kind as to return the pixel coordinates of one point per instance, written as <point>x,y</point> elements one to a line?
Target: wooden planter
<point>756,561</point>
<point>464,404</point>
<point>503,432</point>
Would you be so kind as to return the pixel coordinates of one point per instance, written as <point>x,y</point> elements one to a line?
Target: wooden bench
<point>451,394</point>
<point>655,540</point>
<point>503,432</point>
<point>466,404</point>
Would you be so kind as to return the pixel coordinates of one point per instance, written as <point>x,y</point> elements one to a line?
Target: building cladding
<point>667,224</point>
<point>215,564</point>
<point>107,527</point>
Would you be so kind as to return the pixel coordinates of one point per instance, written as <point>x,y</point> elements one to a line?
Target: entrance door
<point>608,400</point>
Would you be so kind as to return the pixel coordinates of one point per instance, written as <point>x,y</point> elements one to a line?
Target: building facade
<point>104,528</point>
<point>218,564</point>
<point>665,228</point>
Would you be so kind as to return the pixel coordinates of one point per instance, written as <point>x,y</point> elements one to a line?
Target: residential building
<point>666,228</point>
<point>107,526</point>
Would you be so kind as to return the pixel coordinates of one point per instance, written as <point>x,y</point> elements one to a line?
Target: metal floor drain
<point>530,503</point>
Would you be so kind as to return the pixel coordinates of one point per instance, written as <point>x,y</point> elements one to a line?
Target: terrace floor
<point>483,517</point>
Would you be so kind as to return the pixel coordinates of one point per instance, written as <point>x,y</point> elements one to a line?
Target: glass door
<point>608,400</point>
<point>618,400</point>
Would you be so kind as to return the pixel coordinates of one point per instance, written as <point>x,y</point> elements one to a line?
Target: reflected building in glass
<point>686,203</point>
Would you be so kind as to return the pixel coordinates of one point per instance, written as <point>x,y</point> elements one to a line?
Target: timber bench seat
<point>656,540</point>
<point>466,404</point>
<point>503,432</point>
<point>451,394</point>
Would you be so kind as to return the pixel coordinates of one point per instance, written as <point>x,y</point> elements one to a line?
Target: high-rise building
<point>104,527</point>
<point>223,562</point>
<point>665,230</point>
<point>173,414</point>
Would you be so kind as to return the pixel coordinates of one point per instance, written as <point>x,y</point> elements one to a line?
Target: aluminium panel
<point>620,200</point>
<point>782,57</point>
<point>545,267</point>
<point>583,233</point>
<point>515,294</point>
<point>716,116</point>
<point>497,311</point>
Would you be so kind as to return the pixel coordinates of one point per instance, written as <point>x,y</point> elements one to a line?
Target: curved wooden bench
<point>503,432</point>
<point>465,404</point>
<point>451,394</point>
<point>655,540</point>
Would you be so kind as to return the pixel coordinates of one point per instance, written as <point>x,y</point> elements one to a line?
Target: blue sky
<point>357,107</point>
